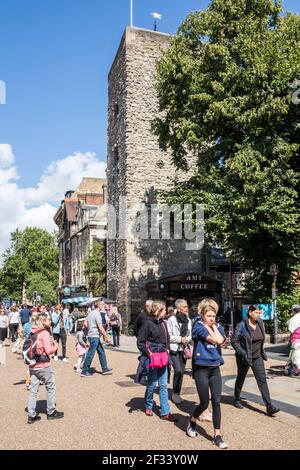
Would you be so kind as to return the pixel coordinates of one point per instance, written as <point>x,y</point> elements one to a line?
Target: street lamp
<point>274,271</point>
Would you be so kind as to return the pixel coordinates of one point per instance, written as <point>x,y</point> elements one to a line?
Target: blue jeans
<point>160,375</point>
<point>95,345</point>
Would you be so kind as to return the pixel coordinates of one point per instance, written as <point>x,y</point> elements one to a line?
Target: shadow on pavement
<point>131,376</point>
<point>41,407</point>
<point>22,382</point>
<point>252,408</point>
<point>275,371</point>
<point>187,406</point>
<point>182,425</point>
<point>279,350</point>
<point>137,404</point>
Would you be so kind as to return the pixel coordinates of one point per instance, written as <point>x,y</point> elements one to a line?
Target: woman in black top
<point>248,341</point>
<point>153,337</point>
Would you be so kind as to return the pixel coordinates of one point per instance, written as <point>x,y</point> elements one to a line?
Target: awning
<point>74,300</point>
<point>89,301</point>
<point>92,300</point>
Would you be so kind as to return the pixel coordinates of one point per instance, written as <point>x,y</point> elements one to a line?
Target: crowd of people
<point>166,339</point>
<point>36,333</point>
<point>159,331</point>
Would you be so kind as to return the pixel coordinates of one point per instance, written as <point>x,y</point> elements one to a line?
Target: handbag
<point>158,359</point>
<point>187,352</point>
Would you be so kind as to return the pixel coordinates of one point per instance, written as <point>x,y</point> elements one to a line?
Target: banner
<point>267,311</point>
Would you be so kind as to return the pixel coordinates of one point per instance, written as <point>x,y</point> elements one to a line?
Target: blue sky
<point>54,59</point>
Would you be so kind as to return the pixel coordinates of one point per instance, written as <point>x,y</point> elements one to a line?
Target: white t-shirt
<point>294,323</point>
<point>3,321</point>
<point>14,317</point>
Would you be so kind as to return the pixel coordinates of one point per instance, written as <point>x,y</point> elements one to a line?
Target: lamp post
<point>274,271</point>
<point>230,297</point>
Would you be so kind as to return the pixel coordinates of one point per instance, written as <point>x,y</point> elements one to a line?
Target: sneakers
<point>65,360</point>
<point>33,419</point>
<point>169,417</point>
<point>148,412</point>
<point>86,374</point>
<point>176,398</point>
<point>55,358</point>
<point>107,371</point>
<point>56,415</point>
<point>272,410</point>
<point>191,429</point>
<point>238,404</point>
<point>218,441</point>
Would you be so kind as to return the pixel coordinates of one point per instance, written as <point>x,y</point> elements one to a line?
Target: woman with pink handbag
<point>154,343</point>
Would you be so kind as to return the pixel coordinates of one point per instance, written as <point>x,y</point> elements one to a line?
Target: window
<point>116,110</point>
<point>116,153</point>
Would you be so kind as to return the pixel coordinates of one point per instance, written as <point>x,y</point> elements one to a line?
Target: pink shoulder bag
<point>158,359</point>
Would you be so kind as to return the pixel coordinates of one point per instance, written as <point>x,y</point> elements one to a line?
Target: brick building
<point>81,219</point>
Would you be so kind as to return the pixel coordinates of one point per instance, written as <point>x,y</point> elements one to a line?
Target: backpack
<point>30,356</point>
<point>243,327</point>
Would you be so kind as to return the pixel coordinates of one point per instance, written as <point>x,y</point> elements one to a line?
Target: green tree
<point>95,269</point>
<point>45,288</point>
<point>224,89</point>
<point>31,260</point>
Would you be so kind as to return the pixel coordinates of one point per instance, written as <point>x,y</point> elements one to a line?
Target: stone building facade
<point>138,171</point>
<point>82,220</point>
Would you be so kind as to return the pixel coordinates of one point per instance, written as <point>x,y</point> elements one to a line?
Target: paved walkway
<point>105,412</point>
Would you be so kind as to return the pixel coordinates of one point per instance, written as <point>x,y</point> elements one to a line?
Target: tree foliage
<point>95,269</point>
<point>43,286</point>
<point>224,89</point>
<point>30,261</point>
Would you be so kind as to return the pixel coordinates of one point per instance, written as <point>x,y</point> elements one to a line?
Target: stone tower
<point>138,169</point>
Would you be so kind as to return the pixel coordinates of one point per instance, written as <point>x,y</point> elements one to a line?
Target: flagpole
<point>131,13</point>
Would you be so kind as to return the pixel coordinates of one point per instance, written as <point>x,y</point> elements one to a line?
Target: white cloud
<point>36,206</point>
<point>8,171</point>
<point>62,175</point>
<point>7,158</point>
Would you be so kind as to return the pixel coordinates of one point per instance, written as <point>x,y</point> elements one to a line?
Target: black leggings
<point>258,368</point>
<point>209,378</point>
<point>13,328</point>
<point>179,363</point>
<point>63,336</point>
<point>116,335</point>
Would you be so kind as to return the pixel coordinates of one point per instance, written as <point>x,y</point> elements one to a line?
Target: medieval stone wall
<point>138,169</point>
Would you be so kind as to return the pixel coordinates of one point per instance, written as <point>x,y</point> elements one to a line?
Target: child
<point>25,334</point>
<point>42,371</point>
<point>81,346</point>
<point>17,348</point>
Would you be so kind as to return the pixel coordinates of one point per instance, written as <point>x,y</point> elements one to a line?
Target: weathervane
<point>156,16</point>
